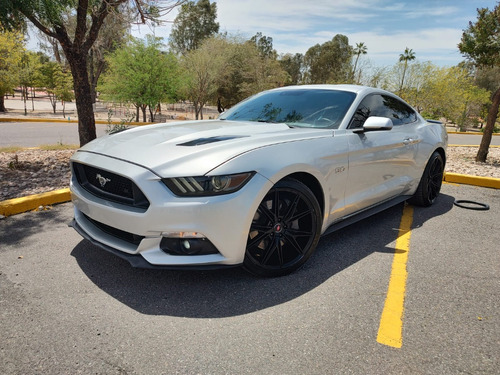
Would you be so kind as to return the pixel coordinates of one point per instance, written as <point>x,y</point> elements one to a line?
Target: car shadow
<point>232,292</point>
<point>17,228</point>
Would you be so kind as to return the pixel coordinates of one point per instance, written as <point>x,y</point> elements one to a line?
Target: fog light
<point>191,246</point>
<point>183,235</point>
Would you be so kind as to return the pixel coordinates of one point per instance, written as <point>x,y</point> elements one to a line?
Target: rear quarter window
<point>383,106</point>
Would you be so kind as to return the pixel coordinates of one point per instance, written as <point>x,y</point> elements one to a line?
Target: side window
<point>399,112</point>
<point>383,106</point>
<point>366,108</point>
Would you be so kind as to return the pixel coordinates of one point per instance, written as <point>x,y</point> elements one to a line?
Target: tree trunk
<point>403,79</point>
<point>95,71</point>
<point>32,99</point>
<point>53,101</point>
<point>2,104</point>
<point>25,98</point>
<point>83,99</point>
<point>482,153</point>
<point>143,108</point>
<point>151,114</point>
<point>197,110</point>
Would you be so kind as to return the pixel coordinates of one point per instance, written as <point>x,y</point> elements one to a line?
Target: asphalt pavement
<point>34,134</point>
<point>68,307</point>
<point>470,139</point>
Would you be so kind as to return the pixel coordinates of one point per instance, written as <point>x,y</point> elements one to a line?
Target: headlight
<point>207,185</point>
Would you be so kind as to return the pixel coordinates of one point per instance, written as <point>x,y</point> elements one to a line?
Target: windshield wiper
<point>276,122</point>
<point>268,121</point>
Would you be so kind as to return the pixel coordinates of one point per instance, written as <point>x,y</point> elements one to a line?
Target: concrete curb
<point>31,202</point>
<point>488,182</point>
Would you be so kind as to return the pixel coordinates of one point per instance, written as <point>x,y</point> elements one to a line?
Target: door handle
<point>407,141</point>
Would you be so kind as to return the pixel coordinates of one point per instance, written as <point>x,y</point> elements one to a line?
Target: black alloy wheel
<point>285,230</point>
<point>430,184</point>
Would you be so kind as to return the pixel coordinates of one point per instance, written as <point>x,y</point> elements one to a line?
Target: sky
<point>431,28</point>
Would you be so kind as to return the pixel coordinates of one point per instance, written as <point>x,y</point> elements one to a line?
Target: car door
<point>381,162</point>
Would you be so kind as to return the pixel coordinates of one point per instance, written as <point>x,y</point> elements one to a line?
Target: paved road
<point>32,134</point>
<point>469,139</point>
<point>67,307</point>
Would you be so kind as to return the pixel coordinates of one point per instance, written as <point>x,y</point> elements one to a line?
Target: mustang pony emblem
<point>102,180</point>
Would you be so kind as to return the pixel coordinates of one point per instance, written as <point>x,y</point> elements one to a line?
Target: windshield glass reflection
<point>316,108</point>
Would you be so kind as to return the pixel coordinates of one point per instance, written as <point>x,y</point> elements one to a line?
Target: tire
<point>285,230</point>
<point>430,183</point>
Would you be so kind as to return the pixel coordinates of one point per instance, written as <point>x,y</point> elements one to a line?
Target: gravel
<point>34,171</point>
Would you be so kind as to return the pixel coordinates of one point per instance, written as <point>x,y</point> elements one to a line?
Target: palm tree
<point>360,49</point>
<point>408,55</point>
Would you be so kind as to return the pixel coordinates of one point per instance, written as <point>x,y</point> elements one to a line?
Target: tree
<point>51,47</point>
<point>379,78</point>
<point>264,45</point>
<point>203,69</point>
<point>259,72</point>
<point>194,23</point>
<point>360,49</point>
<point>226,70</point>
<point>451,93</point>
<point>49,17</point>
<point>480,44</point>
<point>329,62</point>
<point>141,74</point>
<point>64,88</point>
<point>419,77</point>
<point>46,79</point>
<point>294,66</point>
<point>112,35</point>
<point>407,55</point>
<point>11,53</point>
<point>30,64</point>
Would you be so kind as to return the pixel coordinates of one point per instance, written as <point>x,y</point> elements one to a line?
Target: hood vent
<point>204,141</point>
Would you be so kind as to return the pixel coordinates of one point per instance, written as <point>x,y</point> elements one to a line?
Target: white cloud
<point>386,27</point>
<point>282,15</point>
<point>437,45</point>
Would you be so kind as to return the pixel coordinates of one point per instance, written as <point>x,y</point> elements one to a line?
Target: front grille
<point>109,186</point>
<point>132,238</point>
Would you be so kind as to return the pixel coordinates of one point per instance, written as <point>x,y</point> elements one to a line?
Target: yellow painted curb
<point>30,202</point>
<point>457,178</point>
<point>13,119</point>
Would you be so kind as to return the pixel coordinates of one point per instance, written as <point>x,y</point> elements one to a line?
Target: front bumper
<point>223,220</point>
<point>136,260</point>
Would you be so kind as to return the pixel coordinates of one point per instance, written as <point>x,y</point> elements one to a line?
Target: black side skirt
<point>360,215</point>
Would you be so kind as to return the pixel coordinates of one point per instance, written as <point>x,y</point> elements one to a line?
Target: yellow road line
<point>390,331</point>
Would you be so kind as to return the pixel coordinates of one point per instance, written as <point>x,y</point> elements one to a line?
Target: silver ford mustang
<point>259,185</point>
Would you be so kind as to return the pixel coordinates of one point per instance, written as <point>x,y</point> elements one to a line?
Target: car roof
<point>349,88</point>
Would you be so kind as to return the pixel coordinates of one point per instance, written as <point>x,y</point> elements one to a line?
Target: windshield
<point>315,108</point>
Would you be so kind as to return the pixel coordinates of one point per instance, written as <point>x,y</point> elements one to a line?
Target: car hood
<point>194,147</point>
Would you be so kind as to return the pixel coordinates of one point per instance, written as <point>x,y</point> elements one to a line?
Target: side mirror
<point>375,123</point>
